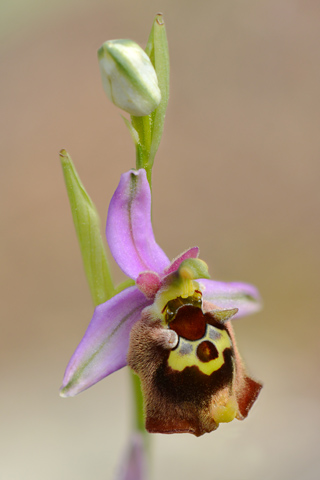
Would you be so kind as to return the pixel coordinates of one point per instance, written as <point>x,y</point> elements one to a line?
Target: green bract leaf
<point>87,224</point>
<point>150,127</point>
<point>157,50</point>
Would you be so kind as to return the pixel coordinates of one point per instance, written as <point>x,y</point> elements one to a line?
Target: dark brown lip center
<point>189,323</point>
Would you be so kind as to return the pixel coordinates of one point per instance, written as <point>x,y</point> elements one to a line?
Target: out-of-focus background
<point>237,173</point>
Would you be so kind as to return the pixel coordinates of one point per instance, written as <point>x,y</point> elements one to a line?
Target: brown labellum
<point>191,373</point>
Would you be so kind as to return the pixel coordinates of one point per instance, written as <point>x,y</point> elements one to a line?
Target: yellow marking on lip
<point>225,412</point>
<point>179,361</point>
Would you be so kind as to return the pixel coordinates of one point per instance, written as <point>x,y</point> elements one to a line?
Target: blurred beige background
<point>237,173</point>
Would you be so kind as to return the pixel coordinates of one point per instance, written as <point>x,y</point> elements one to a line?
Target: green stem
<point>138,407</point>
<point>141,164</point>
<point>138,421</point>
<point>143,127</point>
<point>146,132</point>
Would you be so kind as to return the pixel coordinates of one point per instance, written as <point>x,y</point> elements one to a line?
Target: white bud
<point>128,77</point>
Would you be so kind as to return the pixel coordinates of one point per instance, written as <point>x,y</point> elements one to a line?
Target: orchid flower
<point>172,327</point>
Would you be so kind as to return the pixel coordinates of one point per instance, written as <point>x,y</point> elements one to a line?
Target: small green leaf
<point>150,127</point>
<point>87,224</point>
<point>158,52</point>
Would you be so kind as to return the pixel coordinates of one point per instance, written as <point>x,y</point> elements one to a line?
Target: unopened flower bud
<point>128,77</point>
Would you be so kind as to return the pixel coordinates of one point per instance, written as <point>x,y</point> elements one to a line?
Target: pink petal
<point>129,229</point>
<point>104,346</point>
<point>148,283</point>
<point>191,253</point>
<point>243,296</point>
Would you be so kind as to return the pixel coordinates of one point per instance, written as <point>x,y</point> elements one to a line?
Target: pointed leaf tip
<point>159,18</point>
<point>63,153</point>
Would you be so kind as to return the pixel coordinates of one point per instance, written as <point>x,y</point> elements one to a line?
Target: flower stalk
<point>138,417</point>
